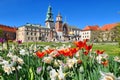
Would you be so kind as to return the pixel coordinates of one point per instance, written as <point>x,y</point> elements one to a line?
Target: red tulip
<point>86,52</point>
<point>79,61</point>
<point>80,44</point>
<point>105,63</point>
<point>40,54</point>
<point>88,48</point>
<point>99,52</point>
<point>57,55</point>
<point>49,51</point>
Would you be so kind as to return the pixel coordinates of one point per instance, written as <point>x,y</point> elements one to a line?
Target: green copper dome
<point>49,16</point>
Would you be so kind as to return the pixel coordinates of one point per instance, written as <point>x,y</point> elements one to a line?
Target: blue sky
<point>77,12</point>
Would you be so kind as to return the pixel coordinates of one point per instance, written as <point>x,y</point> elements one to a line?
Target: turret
<point>59,18</point>
<point>58,24</point>
<point>49,22</point>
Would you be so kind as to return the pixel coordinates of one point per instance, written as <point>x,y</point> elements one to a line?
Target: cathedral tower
<point>58,24</point>
<point>49,22</point>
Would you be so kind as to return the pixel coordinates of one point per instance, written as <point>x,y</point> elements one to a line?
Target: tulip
<point>108,76</point>
<point>40,54</point>
<point>39,69</point>
<point>117,59</point>
<point>19,41</point>
<point>99,52</point>
<point>2,40</point>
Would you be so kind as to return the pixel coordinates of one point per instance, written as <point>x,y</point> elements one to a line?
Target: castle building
<point>99,34</point>
<point>32,32</point>
<point>107,33</point>
<point>57,30</point>
<point>52,31</point>
<point>89,32</point>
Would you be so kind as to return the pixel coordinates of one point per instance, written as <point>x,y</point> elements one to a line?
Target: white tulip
<point>117,59</point>
<point>53,74</point>
<point>61,75</point>
<point>108,76</point>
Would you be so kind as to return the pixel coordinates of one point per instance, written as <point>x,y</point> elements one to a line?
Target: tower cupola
<point>49,22</point>
<point>49,16</point>
<point>59,17</point>
<point>58,24</point>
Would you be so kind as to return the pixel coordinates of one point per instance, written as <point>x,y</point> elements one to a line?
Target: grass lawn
<point>109,48</point>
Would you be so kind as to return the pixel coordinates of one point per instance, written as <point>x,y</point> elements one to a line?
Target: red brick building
<point>8,33</point>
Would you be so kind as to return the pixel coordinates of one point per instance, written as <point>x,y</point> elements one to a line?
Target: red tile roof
<point>108,26</point>
<point>7,28</point>
<point>94,28</point>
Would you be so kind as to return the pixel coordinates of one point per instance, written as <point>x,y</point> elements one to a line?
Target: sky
<point>78,13</point>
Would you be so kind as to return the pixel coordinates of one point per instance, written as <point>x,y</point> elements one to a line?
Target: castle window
<point>40,34</point>
<point>36,38</point>
<point>28,38</point>
<point>27,33</point>
<point>34,33</point>
<point>60,37</point>
<point>47,34</point>
<point>33,29</point>
<point>31,38</point>
<point>39,38</point>
<point>31,33</point>
<point>39,29</point>
<point>69,38</point>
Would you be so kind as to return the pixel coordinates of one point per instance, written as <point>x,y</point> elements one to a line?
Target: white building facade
<point>85,34</point>
<point>32,33</point>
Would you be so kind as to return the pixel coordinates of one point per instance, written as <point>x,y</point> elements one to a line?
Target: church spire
<point>49,16</point>
<point>59,14</point>
<point>49,22</point>
<point>59,17</point>
<point>58,24</point>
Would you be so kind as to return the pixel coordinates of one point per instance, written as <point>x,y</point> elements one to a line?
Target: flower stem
<point>16,72</point>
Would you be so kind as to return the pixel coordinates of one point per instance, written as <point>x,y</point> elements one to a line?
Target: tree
<point>116,33</point>
<point>95,36</point>
<point>1,33</point>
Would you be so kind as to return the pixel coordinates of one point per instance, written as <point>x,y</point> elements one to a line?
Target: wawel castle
<point>52,31</point>
<point>57,31</point>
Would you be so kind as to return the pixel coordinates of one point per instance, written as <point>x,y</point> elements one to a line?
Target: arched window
<point>65,29</point>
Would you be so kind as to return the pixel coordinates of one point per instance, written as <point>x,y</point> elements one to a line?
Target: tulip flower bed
<point>37,62</point>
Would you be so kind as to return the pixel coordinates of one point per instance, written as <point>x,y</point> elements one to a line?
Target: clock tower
<point>58,24</point>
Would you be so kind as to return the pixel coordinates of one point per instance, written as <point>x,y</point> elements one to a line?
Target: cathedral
<point>52,31</point>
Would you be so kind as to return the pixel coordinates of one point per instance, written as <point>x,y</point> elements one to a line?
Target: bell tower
<point>49,22</point>
<point>58,24</point>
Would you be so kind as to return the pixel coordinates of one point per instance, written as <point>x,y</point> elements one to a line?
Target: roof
<point>30,25</point>
<point>59,15</point>
<point>8,28</point>
<point>109,26</point>
<point>72,27</point>
<point>94,28</point>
